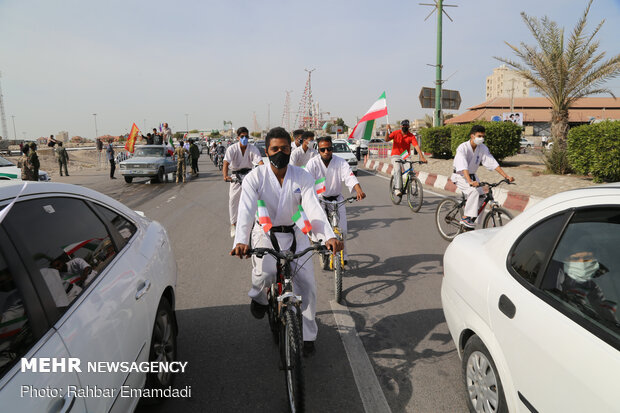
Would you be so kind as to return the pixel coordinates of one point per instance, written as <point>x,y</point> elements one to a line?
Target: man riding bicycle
<point>469,156</point>
<point>335,170</point>
<point>284,189</point>
<point>241,157</point>
<point>403,139</point>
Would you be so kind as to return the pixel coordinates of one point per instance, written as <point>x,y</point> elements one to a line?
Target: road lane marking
<point>365,378</point>
<point>387,179</point>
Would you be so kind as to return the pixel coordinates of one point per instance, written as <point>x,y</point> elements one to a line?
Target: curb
<point>508,199</point>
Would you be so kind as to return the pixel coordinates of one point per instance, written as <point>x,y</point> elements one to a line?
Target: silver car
<point>151,161</point>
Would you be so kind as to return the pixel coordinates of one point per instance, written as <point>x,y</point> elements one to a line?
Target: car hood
<point>345,155</point>
<point>144,159</point>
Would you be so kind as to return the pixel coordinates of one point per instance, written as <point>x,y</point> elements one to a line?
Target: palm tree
<point>563,71</point>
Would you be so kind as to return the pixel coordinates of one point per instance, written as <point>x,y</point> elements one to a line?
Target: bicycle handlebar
<point>285,255</point>
<point>403,161</point>
<point>490,185</point>
<point>349,200</point>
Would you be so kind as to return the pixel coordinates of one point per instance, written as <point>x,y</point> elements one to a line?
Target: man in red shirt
<point>403,139</point>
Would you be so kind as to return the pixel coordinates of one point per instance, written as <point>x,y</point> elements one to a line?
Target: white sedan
<point>82,277</point>
<point>341,149</point>
<point>532,306</point>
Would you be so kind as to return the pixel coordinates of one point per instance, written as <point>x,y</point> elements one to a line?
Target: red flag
<point>131,141</point>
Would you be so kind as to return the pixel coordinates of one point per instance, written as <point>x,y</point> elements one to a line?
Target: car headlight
<point>123,166</point>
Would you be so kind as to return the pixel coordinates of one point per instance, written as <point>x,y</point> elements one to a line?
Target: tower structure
<point>306,115</point>
<point>5,131</point>
<point>286,113</point>
<point>255,123</point>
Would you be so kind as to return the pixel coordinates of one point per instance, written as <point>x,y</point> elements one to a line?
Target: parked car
<point>532,306</point>
<point>526,143</point>
<point>353,144</point>
<point>341,149</point>
<point>10,171</point>
<point>152,161</point>
<point>83,277</point>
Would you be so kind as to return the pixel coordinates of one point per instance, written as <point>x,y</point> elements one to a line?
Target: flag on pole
<point>170,145</point>
<point>301,220</point>
<point>363,129</point>
<point>131,140</point>
<point>404,155</point>
<point>319,185</point>
<point>263,216</point>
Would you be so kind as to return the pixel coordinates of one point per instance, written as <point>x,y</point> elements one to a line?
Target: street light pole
<point>96,133</point>
<point>187,122</point>
<point>14,133</point>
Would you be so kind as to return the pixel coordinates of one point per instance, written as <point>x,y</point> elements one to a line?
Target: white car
<point>10,171</point>
<point>82,277</point>
<point>526,143</point>
<point>341,149</point>
<point>532,306</point>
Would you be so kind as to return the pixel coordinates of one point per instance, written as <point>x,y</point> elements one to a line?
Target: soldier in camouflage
<point>180,153</point>
<point>25,165</point>
<point>34,161</point>
<point>63,157</point>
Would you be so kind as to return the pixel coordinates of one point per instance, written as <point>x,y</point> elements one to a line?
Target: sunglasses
<point>328,149</point>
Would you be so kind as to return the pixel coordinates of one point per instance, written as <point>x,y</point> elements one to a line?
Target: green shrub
<point>502,138</point>
<point>556,159</point>
<point>437,141</point>
<point>595,149</point>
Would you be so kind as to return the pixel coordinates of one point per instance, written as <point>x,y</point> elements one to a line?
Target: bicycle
<point>411,185</point>
<point>449,212</point>
<point>285,321</point>
<point>336,262</point>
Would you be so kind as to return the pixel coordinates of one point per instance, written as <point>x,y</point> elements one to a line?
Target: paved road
<point>391,293</point>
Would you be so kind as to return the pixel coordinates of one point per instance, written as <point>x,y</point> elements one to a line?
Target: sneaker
<point>309,348</point>
<point>258,310</point>
<point>398,192</point>
<point>467,222</point>
<point>233,229</point>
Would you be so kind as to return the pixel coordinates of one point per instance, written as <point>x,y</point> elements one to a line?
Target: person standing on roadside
<point>33,157</point>
<point>194,154</point>
<point>180,154</point>
<point>110,155</point>
<point>403,139</point>
<point>24,164</point>
<point>63,158</point>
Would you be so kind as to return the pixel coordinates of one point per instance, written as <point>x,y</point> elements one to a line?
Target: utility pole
<point>96,133</point>
<point>14,133</point>
<point>2,115</point>
<point>439,6</point>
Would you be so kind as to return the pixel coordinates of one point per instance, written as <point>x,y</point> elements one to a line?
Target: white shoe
<point>398,192</point>
<point>233,229</point>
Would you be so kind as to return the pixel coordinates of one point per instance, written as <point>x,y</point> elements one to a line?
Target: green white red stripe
<point>171,144</point>
<point>301,220</point>
<point>319,185</point>
<point>363,129</point>
<point>263,216</point>
<point>405,154</point>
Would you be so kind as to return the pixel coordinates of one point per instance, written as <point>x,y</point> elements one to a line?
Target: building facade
<point>63,136</point>
<point>506,83</point>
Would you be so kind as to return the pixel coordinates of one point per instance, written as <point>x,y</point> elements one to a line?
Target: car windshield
<point>261,148</point>
<point>341,147</point>
<point>144,152</point>
<point>4,162</point>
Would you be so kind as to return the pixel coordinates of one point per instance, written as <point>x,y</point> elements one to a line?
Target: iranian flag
<point>319,185</point>
<point>170,146</point>
<point>363,129</point>
<point>301,220</point>
<point>263,216</point>
<point>404,155</point>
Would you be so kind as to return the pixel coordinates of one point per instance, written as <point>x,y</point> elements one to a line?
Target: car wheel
<point>163,345</point>
<point>129,179</point>
<point>483,386</point>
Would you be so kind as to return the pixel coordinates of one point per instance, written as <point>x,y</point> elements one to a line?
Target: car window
<point>148,152</point>
<point>584,272</point>
<point>15,334</point>
<point>65,241</point>
<point>341,147</point>
<point>531,251</point>
<point>125,228</point>
<point>4,162</point>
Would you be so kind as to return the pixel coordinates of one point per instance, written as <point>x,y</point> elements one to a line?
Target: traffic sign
<point>450,99</point>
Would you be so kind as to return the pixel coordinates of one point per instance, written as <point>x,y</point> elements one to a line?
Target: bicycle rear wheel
<point>293,366</point>
<point>338,274</point>
<point>496,218</point>
<point>415,194</point>
<point>447,218</point>
<point>395,199</point>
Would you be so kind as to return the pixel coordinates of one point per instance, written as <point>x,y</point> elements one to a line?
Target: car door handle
<point>68,404</point>
<point>506,306</point>
<point>143,290</point>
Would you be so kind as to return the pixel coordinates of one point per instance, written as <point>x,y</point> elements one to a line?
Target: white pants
<point>472,194</point>
<point>234,193</point>
<point>264,273</point>
<point>397,172</point>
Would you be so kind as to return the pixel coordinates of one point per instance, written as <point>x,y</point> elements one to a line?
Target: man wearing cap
<point>403,139</point>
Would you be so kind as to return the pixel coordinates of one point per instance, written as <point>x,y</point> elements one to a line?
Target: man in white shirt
<point>301,155</point>
<point>296,143</point>
<point>240,157</point>
<point>166,133</point>
<point>469,156</point>
<point>282,188</point>
<point>335,170</point>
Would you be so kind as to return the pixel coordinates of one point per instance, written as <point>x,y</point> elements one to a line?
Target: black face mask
<point>405,129</point>
<point>279,160</point>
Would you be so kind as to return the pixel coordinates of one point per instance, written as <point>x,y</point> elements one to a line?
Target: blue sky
<point>127,61</point>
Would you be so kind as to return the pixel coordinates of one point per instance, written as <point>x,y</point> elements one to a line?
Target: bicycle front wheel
<point>293,366</point>
<point>498,217</point>
<point>447,217</point>
<point>272,313</point>
<point>395,199</point>
<point>415,194</point>
<point>338,274</point>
